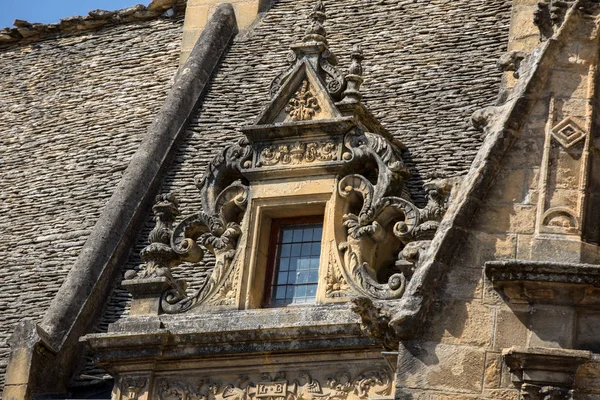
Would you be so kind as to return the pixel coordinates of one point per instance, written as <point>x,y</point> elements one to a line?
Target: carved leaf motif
<point>337,286</point>
<point>298,153</point>
<point>303,105</point>
<point>340,385</point>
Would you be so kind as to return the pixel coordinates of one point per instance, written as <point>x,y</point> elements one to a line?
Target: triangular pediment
<point>302,97</point>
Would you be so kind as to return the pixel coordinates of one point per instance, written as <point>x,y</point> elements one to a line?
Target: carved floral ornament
<point>341,385</point>
<point>383,233</point>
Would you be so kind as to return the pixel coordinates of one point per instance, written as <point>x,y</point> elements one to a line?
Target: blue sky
<point>50,11</point>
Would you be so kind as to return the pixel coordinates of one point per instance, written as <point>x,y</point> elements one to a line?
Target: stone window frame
<point>263,212</point>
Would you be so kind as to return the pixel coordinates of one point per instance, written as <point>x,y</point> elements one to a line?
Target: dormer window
<point>314,150</point>
<point>294,260</point>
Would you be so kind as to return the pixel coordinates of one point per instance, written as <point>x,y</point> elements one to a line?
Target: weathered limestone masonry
<point>199,11</point>
<point>526,216</point>
<point>74,104</point>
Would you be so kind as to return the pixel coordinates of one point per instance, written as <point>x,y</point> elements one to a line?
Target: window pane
<point>298,236</point>
<point>300,291</point>
<point>284,264</point>
<point>296,249</point>
<point>286,235</point>
<point>306,249</point>
<point>297,264</point>
<point>286,250</point>
<point>280,293</point>
<point>308,235</point>
<point>315,249</point>
<point>318,232</point>
<point>302,277</point>
<point>281,277</point>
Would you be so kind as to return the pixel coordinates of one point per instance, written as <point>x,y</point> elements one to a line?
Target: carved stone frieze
<point>340,385</point>
<point>298,153</point>
<point>303,105</point>
<point>545,373</point>
<point>314,49</point>
<point>381,221</point>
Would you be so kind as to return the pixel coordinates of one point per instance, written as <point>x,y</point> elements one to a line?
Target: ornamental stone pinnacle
<point>315,31</point>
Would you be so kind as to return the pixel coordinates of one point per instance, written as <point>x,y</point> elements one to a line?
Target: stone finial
<point>354,77</point>
<point>315,31</point>
<point>158,255</point>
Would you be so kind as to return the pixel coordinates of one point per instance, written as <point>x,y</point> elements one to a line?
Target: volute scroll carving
<point>216,229</point>
<point>381,221</point>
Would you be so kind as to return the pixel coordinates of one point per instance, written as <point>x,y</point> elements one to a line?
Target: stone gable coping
<point>78,304</point>
<point>26,32</point>
<point>501,125</point>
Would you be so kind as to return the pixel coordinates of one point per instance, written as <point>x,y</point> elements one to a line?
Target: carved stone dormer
<point>315,151</point>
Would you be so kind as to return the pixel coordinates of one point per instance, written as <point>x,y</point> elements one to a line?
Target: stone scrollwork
<point>380,221</point>
<point>224,196</point>
<point>341,385</point>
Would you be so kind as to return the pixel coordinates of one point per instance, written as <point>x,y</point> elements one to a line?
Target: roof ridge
<point>26,32</point>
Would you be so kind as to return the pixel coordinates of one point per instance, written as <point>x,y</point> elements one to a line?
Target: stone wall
<point>72,113</point>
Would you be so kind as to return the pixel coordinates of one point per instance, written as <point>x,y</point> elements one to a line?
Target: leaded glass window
<point>296,263</point>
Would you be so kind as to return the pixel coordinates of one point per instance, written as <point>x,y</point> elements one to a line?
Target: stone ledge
<point>230,332</point>
<point>26,32</point>
<point>545,282</point>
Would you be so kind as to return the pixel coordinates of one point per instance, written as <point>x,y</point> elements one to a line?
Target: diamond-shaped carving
<point>567,132</point>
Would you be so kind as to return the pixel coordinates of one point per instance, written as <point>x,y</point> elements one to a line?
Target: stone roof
<point>72,112</point>
<point>26,32</point>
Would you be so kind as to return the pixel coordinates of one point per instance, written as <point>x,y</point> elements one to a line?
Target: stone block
<point>551,327</point>
<point>464,283</point>
<point>495,247</point>
<point>196,17</point>
<point>569,84</point>
<point>528,149</point>
<point>467,323</point>
<point>521,26</point>
<point>501,219</point>
<point>511,328</point>
<point>440,367</point>
<point>509,187</point>
<point>502,394</point>
<point>492,377</point>
<point>588,331</point>
<point>524,243</point>
<point>246,13</point>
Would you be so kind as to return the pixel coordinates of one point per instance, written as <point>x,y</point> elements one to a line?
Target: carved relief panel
<point>331,384</point>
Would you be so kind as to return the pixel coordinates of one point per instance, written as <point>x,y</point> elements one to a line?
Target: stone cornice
<point>26,32</point>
